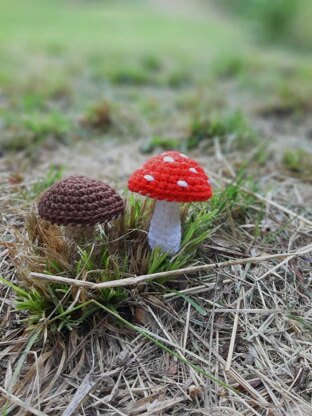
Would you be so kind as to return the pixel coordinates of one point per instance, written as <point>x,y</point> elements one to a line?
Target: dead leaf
<point>141,316</point>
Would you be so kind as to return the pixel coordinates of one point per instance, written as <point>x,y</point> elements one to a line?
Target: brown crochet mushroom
<point>79,203</point>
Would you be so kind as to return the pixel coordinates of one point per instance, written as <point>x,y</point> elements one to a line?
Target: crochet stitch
<point>80,201</point>
<point>166,216</point>
<point>171,176</point>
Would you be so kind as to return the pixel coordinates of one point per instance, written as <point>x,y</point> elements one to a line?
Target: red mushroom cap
<point>171,176</point>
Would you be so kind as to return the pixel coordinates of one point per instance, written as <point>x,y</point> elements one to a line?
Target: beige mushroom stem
<point>80,234</point>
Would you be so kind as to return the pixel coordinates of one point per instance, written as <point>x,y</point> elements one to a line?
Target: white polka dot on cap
<point>149,178</point>
<point>168,159</point>
<point>183,184</point>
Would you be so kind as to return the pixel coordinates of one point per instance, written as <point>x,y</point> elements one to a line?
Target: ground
<point>96,88</point>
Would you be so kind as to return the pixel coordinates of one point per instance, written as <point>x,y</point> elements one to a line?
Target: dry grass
<point>246,325</point>
<point>230,339</point>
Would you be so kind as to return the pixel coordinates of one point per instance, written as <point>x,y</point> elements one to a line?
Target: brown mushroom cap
<point>81,201</point>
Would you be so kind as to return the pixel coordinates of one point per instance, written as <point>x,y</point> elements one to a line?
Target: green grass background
<point>61,59</point>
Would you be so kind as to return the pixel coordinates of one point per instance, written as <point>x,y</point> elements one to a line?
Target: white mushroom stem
<point>165,228</point>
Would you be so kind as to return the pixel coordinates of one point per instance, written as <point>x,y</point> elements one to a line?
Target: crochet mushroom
<point>79,203</point>
<point>170,178</point>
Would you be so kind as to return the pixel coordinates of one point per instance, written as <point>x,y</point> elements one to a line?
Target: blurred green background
<point>177,73</point>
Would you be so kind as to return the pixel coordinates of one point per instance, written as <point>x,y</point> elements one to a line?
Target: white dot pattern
<point>168,159</point>
<point>149,178</point>
<point>171,176</point>
<point>183,184</point>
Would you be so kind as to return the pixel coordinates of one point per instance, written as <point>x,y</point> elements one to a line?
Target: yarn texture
<point>171,176</point>
<point>80,201</point>
<point>165,228</point>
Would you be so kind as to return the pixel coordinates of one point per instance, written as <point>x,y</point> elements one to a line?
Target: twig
<point>278,206</point>
<point>86,387</point>
<point>21,404</point>
<point>247,311</point>
<point>163,406</point>
<point>267,273</point>
<point>232,372</point>
<point>60,279</point>
<point>193,290</point>
<point>233,338</point>
<point>266,200</point>
<point>138,280</point>
<point>187,323</point>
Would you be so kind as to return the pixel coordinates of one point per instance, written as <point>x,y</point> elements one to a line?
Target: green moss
<point>160,143</point>
<point>44,124</point>
<point>130,76</point>
<point>283,22</point>
<point>288,96</point>
<point>233,126</point>
<point>229,65</point>
<point>298,161</point>
<point>118,251</point>
<point>99,117</point>
<point>34,128</point>
<point>179,78</point>
<point>151,62</point>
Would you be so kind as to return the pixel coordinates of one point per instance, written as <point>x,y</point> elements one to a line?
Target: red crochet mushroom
<point>170,178</point>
